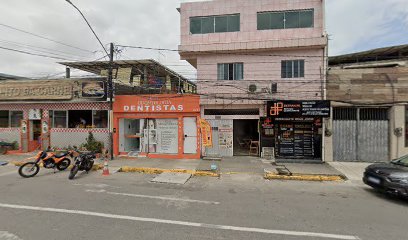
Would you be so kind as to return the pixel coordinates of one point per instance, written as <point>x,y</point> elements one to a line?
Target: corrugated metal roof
<point>386,53</point>
<point>97,66</point>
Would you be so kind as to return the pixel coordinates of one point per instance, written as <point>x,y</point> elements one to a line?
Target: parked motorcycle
<point>83,162</point>
<point>49,159</point>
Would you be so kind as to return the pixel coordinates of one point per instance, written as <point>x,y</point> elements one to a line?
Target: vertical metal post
<point>110,95</point>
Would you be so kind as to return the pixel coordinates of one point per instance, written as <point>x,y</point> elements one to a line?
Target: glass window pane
<point>234,23</point>
<point>277,20</point>
<point>302,68</point>
<point>221,24</point>
<point>292,20</point>
<point>80,119</point>
<point>195,25</point>
<point>289,69</point>
<point>100,119</point>
<point>230,71</point>
<point>4,119</point>
<point>207,25</point>
<point>51,115</point>
<point>238,71</point>
<point>16,117</point>
<point>295,69</point>
<point>60,119</point>
<point>264,21</point>
<point>283,69</point>
<point>306,19</point>
<point>226,71</point>
<point>220,71</point>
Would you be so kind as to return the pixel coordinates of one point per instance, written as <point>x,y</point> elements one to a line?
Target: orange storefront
<point>157,126</point>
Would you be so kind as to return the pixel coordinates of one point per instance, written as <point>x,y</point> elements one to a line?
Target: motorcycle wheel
<point>89,167</point>
<point>73,172</point>
<point>64,164</point>
<point>29,169</point>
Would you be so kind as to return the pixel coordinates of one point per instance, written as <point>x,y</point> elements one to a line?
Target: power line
<point>46,38</point>
<point>89,25</point>
<point>36,54</point>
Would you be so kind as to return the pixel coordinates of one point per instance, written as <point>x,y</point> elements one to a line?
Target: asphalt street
<point>129,206</point>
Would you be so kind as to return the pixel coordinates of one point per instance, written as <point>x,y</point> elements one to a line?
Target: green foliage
<point>92,144</point>
<point>15,145</point>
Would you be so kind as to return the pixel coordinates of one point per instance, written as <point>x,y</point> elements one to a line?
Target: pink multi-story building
<point>247,53</point>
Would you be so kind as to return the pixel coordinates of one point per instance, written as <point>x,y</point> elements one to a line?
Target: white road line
<point>163,198</point>
<point>182,223</point>
<point>8,173</point>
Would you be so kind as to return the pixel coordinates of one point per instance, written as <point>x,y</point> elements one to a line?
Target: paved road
<point>128,206</point>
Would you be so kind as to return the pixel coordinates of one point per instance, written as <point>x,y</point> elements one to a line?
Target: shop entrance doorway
<point>130,135</point>
<point>35,135</point>
<point>190,135</point>
<point>246,137</point>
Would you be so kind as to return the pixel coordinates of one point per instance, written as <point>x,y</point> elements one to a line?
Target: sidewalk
<point>352,170</point>
<point>228,165</point>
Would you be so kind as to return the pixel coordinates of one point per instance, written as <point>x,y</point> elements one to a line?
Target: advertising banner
<point>206,133</point>
<point>290,110</point>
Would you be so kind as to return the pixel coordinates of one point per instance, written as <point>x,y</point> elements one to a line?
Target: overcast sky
<point>353,25</point>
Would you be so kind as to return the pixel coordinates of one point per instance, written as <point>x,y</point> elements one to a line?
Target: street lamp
<point>110,84</point>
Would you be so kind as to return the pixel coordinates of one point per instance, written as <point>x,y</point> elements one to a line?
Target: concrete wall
<point>10,135</point>
<point>63,139</point>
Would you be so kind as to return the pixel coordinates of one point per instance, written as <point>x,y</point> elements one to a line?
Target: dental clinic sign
<point>157,104</point>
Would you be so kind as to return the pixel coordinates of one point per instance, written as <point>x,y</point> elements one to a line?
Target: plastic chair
<point>254,148</point>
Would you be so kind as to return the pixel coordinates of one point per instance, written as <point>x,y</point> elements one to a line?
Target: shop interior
<point>246,137</point>
<point>130,135</point>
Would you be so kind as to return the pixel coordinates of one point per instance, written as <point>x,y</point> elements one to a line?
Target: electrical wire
<point>46,38</point>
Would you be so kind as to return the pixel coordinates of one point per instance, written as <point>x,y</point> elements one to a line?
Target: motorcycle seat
<point>60,155</point>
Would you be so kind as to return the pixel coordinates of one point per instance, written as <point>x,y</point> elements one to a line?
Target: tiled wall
<point>249,37</point>
<point>262,70</point>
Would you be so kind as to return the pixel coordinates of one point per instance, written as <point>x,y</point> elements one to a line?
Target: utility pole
<point>110,95</point>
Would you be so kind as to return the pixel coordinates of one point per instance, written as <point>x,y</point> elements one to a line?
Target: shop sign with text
<point>157,104</point>
<point>298,109</point>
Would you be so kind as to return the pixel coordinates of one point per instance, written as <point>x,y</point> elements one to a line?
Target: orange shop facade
<point>157,126</point>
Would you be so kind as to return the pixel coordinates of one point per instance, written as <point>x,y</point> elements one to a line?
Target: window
<point>293,69</point>
<point>230,71</point>
<point>286,19</point>
<point>4,119</point>
<point>10,119</point>
<point>100,119</point>
<point>59,119</point>
<point>15,118</point>
<point>79,119</point>
<point>215,24</point>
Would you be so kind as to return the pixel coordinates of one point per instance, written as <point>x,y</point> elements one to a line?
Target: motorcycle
<point>49,160</point>
<point>83,162</point>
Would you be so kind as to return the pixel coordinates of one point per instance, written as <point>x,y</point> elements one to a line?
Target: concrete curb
<point>128,169</point>
<point>305,177</point>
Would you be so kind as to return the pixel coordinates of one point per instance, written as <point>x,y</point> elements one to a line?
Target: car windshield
<point>401,161</point>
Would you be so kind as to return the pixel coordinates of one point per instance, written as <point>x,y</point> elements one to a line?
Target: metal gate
<point>361,134</point>
<point>220,147</point>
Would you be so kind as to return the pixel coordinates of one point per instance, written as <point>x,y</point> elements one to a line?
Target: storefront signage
<point>157,104</point>
<point>93,89</point>
<point>36,90</point>
<point>303,110</point>
<point>34,114</point>
<point>206,133</point>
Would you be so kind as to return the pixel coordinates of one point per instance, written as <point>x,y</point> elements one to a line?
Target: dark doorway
<point>245,131</point>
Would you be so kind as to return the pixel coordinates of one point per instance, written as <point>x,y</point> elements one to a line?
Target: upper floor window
<point>230,71</point>
<point>293,68</point>
<point>286,19</point>
<point>215,24</point>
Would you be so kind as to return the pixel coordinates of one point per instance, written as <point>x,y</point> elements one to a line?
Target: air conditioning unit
<point>252,88</point>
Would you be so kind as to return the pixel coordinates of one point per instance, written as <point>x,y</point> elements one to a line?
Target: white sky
<point>353,25</point>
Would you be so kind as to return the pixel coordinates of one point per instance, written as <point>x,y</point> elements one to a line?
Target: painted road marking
<point>182,223</point>
<point>153,197</point>
<point>8,236</point>
<point>8,173</point>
